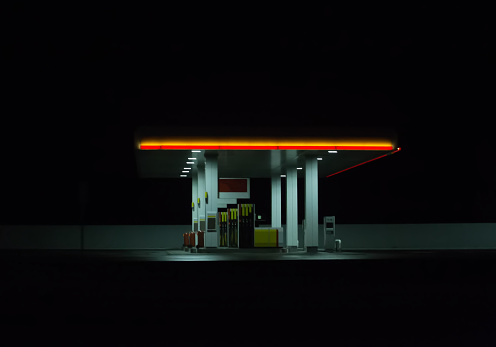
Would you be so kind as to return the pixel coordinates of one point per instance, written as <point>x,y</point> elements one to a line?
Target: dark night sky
<point>80,80</point>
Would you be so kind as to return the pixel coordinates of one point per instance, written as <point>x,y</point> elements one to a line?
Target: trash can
<point>191,239</point>
<point>337,245</point>
<point>201,239</point>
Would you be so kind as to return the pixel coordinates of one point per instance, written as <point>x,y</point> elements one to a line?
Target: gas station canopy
<point>172,152</point>
<point>210,155</point>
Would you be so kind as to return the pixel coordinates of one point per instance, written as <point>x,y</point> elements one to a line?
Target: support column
<point>201,197</point>
<point>276,201</point>
<point>194,200</point>
<point>212,189</point>
<point>292,209</point>
<point>311,204</point>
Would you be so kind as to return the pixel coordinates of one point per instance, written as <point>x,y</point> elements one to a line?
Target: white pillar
<point>292,208</point>
<point>276,201</point>
<point>311,204</point>
<point>194,200</point>
<point>201,197</point>
<point>212,189</point>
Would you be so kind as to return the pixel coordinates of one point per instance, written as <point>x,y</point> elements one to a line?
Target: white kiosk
<point>330,241</point>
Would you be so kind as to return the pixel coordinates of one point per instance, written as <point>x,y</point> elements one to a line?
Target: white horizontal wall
<point>353,236</point>
<point>410,236</point>
<point>94,236</point>
<point>222,203</point>
<point>134,236</point>
<point>40,237</point>
<point>417,236</point>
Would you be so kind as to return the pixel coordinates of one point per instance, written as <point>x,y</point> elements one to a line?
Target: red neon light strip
<point>188,147</point>
<point>248,147</point>
<point>368,161</point>
<point>366,148</point>
<point>356,148</point>
<point>307,147</point>
<point>149,147</point>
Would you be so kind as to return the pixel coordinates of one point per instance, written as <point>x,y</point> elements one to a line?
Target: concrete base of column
<point>312,249</point>
<point>291,249</point>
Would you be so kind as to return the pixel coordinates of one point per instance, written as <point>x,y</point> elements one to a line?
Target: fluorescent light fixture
<point>319,158</point>
<point>332,151</point>
<point>283,175</point>
<point>299,168</point>
<point>190,162</point>
<point>187,168</point>
<point>185,171</point>
<point>183,175</point>
<point>196,151</point>
<point>191,158</point>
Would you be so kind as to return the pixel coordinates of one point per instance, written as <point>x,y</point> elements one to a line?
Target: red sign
<point>237,185</point>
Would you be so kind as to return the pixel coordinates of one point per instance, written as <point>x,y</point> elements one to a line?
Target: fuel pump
<point>232,216</point>
<point>223,228</point>
<point>329,233</point>
<point>246,225</point>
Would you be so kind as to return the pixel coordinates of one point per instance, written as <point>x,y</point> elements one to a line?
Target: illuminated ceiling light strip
<point>319,158</point>
<point>283,175</point>
<point>191,158</point>
<point>264,147</point>
<point>196,151</point>
<point>190,162</point>
<point>332,151</point>
<point>299,168</point>
<point>187,168</point>
<point>185,171</point>
<point>365,162</point>
<point>183,175</point>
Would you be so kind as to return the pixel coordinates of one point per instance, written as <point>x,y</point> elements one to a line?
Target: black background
<point>79,80</point>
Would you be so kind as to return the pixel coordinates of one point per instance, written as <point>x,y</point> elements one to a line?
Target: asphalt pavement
<point>351,298</point>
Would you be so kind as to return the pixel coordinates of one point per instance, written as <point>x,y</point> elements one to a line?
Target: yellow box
<point>265,237</point>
